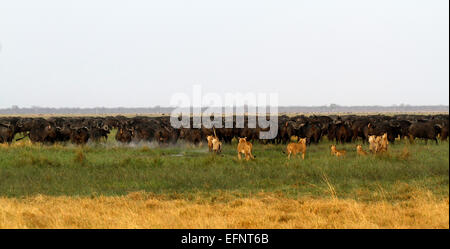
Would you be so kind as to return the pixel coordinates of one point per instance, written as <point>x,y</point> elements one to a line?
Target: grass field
<point>61,183</point>
<point>265,210</point>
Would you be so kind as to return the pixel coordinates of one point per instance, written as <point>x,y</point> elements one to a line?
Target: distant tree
<point>333,106</point>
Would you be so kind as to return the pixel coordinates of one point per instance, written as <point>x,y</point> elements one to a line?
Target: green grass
<point>186,170</point>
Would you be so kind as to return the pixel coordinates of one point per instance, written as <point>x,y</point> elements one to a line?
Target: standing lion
<point>295,148</point>
<point>245,147</point>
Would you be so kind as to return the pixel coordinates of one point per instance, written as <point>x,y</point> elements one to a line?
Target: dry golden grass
<point>22,143</point>
<point>141,210</point>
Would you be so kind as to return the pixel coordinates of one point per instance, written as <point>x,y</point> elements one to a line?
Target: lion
<point>337,152</point>
<point>294,148</point>
<point>373,147</point>
<point>360,151</point>
<point>216,145</point>
<point>210,143</point>
<point>383,143</point>
<point>245,147</point>
<point>378,143</point>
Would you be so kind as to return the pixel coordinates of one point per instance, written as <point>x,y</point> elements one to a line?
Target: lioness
<point>294,148</point>
<point>383,143</point>
<point>378,143</point>
<point>245,148</point>
<point>337,152</point>
<point>373,147</point>
<point>360,151</point>
<point>210,143</point>
<point>216,145</point>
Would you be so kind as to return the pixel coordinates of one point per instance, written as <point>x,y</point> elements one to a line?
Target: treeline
<point>282,109</point>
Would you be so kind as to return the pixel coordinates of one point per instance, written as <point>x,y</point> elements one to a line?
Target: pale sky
<point>138,53</point>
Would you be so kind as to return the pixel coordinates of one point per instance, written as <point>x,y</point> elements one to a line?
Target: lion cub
<point>360,151</point>
<point>294,148</point>
<point>245,148</point>
<point>337,152</point>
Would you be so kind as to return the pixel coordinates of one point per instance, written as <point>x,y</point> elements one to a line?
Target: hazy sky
<point>138,53</point>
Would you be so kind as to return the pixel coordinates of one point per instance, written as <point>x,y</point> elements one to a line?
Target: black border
<point>278,238</point>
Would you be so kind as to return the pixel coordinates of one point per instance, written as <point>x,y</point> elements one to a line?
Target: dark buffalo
<point>96,134</point>
<point>340,132</point>
<point>124,134</point>
<point>285,132</point>
<point>63,133</point>
<point>79,135</point>
<point>312,132</point>
<point>42,131</point>
<point>6,133</point>
<point>424,130</point>
<point>191,135</point>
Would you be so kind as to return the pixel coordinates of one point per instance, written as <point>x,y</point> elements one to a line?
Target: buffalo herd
<point>340,129</point>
